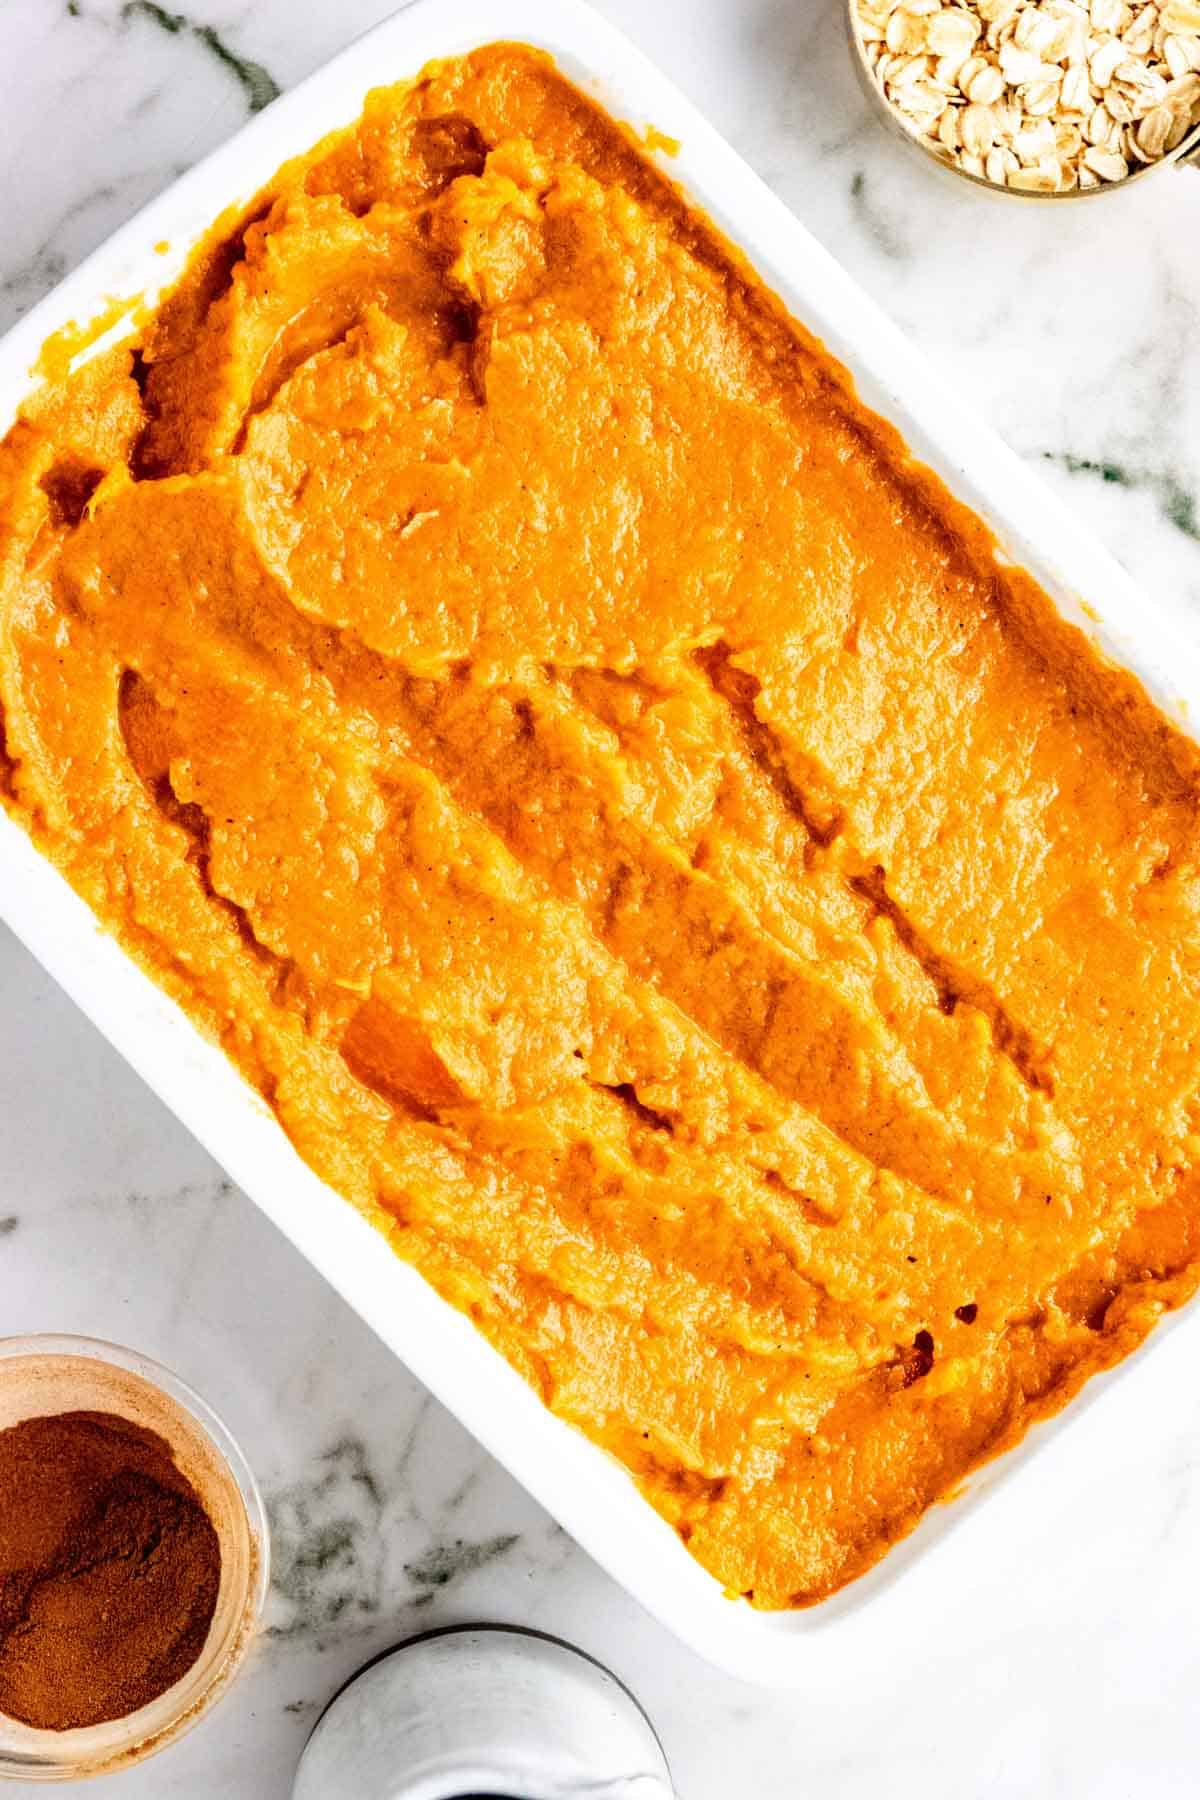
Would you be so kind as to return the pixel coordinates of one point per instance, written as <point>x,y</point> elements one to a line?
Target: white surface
<point>1123,288</point>
<point>483,1712</point>
<point>582,1488</point>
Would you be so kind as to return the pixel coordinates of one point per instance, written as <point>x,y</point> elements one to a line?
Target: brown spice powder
<point>109,1569</point>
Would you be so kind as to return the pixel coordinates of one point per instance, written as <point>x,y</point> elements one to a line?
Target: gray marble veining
<point>1177,503</point>
<point>258,86</point>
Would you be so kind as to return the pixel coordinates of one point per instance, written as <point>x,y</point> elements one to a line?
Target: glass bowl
<point>53,1374</point>
<point>1186,152</point>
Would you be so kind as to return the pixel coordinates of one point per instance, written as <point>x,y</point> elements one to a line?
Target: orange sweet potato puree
<point>474,649</point>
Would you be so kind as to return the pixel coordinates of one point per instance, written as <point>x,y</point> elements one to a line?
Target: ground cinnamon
<point>109,1569</point>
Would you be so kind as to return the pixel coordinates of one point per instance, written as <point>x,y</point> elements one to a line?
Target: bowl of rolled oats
<point>1050,98</point>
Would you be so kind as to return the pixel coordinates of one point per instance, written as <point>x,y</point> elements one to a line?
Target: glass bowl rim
<point>120,1743</point>
<point>1186,152</point>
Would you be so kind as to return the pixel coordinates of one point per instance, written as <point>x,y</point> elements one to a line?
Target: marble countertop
<point>1076,331</point>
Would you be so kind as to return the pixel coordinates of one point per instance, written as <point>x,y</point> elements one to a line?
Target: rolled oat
<point>1041,95</point>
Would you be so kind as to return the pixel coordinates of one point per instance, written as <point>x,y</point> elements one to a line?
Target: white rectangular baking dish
<point>591,1496</point>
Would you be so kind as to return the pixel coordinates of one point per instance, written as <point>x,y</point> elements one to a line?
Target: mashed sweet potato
<point>474,649</point>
